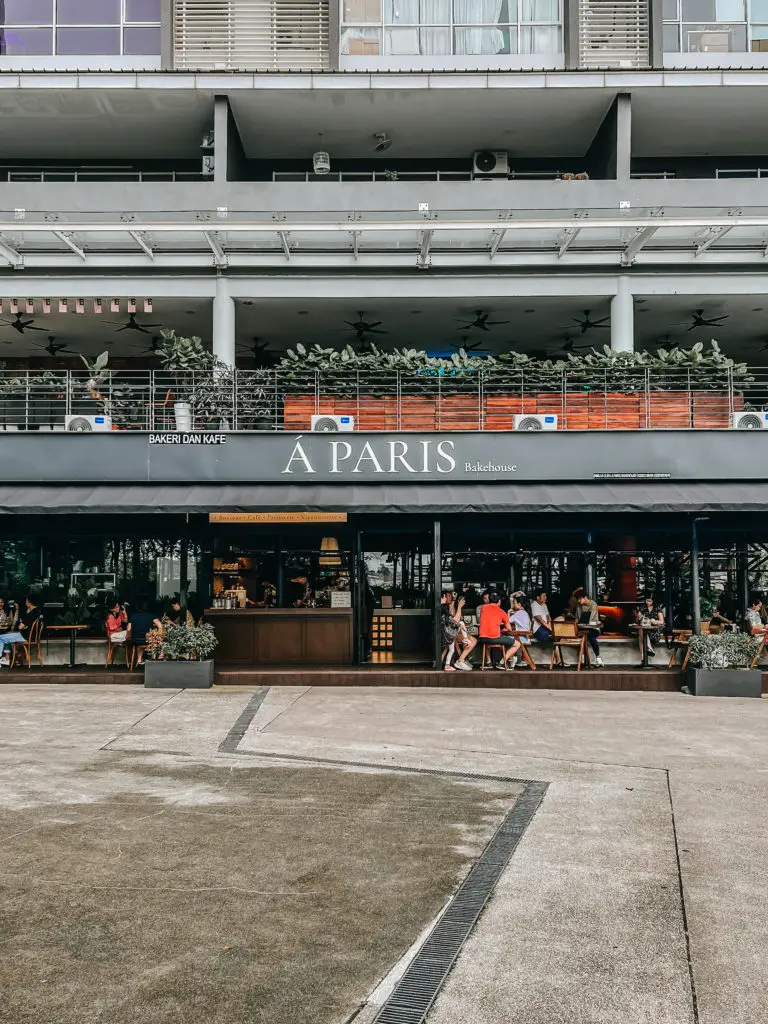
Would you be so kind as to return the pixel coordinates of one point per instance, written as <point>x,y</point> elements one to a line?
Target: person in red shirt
<point>117,622</point>
<point>493,624</point>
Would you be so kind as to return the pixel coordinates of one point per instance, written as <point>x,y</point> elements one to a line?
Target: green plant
<point>723,650</point>
<point>189,643</point>
<point>198,378</point>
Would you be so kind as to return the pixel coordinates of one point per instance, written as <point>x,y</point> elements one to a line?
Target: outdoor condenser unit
<point>487,163</point>
<point>750,421</point>
<point>534,422</point>
<point>333,424</point>
<point>87,424</point>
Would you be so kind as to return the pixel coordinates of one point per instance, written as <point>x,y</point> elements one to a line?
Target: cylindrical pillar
<point>695,599</point>
<point>742,588</point>
<point>622,318</point>
<point>437,587</point>
<point>224,323</point>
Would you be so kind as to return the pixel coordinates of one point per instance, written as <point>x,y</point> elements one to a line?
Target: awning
<point>605,496</point>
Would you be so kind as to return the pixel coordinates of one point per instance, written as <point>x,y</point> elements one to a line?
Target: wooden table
<point>73,630</point>
<point>641,632</point>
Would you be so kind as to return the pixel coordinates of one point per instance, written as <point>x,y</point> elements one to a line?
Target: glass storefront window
<point>80,27</point>
<point>442,28</point>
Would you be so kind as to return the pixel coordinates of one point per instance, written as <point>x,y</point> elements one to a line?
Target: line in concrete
<point>140,720</point>
<point>232,740</point>
<point>683,910</point>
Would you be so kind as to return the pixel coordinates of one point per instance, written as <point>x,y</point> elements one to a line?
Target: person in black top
<point>31,615</point>
<point>139,624</point>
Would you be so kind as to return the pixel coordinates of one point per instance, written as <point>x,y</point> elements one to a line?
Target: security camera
<point>321,162</point>
<point>382,140</point>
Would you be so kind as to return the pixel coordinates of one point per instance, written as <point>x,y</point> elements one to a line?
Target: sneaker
<point>651,652</point>
<point>500,666</point>
<point>599,663</point>
<point>464,666</point>
<point>512,663</point>
<point>449,668</point>
<point>5,662</point>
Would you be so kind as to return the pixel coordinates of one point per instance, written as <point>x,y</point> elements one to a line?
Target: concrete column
<point>622,318</point>
<point>624,137</point>
<point>224,323</point>
<point>228,147</point>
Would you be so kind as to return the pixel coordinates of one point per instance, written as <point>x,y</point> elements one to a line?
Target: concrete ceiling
<point>699,122</point>
<point>540,326</point>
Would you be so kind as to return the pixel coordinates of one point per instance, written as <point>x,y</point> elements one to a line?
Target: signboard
<point>341,599</point>
<point>277,517</point>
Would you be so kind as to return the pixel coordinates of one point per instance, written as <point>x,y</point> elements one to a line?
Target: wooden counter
<point>283,636</point>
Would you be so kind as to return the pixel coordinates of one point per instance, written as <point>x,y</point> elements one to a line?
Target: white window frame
<point>749,22</point>
<point>56,25</point>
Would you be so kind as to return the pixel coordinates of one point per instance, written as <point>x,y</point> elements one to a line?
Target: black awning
<point>604,496</point>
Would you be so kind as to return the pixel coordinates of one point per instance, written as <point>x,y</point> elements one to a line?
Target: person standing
<point>753,621</point>
<point>542,621</point>
<point>589,619</point>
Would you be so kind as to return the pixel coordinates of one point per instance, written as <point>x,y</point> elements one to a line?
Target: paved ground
<point>639,893</point>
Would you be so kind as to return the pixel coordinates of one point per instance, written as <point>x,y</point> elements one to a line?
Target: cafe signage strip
<point>277,517</point>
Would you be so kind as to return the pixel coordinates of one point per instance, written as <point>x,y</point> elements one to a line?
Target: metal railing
<point>450,399</point>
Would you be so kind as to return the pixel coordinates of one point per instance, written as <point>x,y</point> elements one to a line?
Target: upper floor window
<point>32,28</point>
<point>715,26</point>
<point>444,27</point>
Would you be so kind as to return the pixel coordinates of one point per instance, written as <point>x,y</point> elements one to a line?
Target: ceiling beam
<point>425,240</point>
<point>14,257</point>
<point>66,238</point>
<point>219,256</point>
<point>633,247</point>
<point>565,241</point>
<point>138,237</point>
<point>283,235</point>
<point>356,245</point>
<point>715,234</point>
<point>497,237</point>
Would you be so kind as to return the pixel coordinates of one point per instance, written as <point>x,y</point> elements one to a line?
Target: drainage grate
<point>418,988</point>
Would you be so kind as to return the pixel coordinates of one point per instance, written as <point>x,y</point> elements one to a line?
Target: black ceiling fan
<point>481,322</point>
<point>362,326</point>
<point>699,320</point>
<point>153,345</point>
<point>467,345</point>
<point>53,349</point>
<point>132,325</point>
<point>570,345</point>
<point>263,355</point>
<point>588,323</point>
<point>20,324</point>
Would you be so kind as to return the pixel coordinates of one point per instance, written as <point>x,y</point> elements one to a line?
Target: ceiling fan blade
<point>34,328</point>
<point>372,330</point>
<point>497,323</point>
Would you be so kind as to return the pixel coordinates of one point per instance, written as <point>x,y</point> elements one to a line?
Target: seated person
<point>31,616</point>
<point>117,622</point>
<point>454,633</point>
<point>722,616</point>
<point>172,616</point>
<point>519,620</point>
<point>753,622</point>
<point>589,619</point>
<point>491,620</point>
<point>9,616</point>
<point>140,623</point>
<point>542,621</point>
<point>649,614</point>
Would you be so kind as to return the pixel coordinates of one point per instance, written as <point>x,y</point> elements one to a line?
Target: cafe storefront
<point>322,549</point>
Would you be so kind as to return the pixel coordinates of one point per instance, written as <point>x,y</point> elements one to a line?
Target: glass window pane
<point>671,39</point>
<point>730,10</point>
<point>28,12</point>
<point>540,39</point>
<point>435,41</point>
<point>699,10</point>
<point>669,10</point>
<point>361,42</point>
<point>714,38</point>
<point>484,41</point>
<point>538,10</point>
<point>760,31</point>
<point>84,41</point>
<point>361,12</point>
<point>22,42</point>
<point>141,42</point>
<point>142,10</point>
<point>759,10</point>
<point>88,12</point>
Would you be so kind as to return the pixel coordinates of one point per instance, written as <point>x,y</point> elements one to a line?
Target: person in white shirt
<point>519,619</point>
<point>542,621</point>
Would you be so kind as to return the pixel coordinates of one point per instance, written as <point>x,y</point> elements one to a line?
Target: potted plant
<point>180,657</point>
<point>202,385</point>
<point>719,666</point>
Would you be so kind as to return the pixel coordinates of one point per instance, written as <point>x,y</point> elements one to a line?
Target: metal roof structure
<point>393,239</point>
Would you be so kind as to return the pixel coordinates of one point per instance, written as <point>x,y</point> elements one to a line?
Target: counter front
<point>283,636</point>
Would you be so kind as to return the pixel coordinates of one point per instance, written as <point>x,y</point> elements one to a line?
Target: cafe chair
<point>487,648</point>
<point>760,651</point>
<point>568,634</point>
<point>131,657</point>
<point>112,649</point>
<point>681,643</point>
<point>524,648</point>
<point>32,645</point>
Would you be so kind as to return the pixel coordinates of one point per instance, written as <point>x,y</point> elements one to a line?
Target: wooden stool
<point>567,634</point>
<point>490,647</point>
<point>134,649</point>
<point>113,648</point>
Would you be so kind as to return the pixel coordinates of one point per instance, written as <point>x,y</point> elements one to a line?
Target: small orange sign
<point>277,517</point>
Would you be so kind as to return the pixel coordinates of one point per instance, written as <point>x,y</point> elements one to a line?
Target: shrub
<point>723,650</point>
<point>189,643</point>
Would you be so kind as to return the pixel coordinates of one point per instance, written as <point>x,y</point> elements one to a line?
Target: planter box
<point>178,675</point>
<point>725,682</point>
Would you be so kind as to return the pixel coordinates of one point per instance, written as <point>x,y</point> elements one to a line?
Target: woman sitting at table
<point>117,623</point>
<point>9,615</point>
<point>650,617</point>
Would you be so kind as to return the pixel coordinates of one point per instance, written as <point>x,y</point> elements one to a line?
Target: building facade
<point>527,176</point>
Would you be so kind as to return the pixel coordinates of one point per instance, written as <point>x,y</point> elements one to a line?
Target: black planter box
<point>177,675</point>
<point>725,682</point>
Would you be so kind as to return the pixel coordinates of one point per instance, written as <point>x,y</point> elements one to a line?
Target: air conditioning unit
<point>535,422</point>
<point>490,163</point>
<point>333,424</point>
<point>751,420</point>
<point>87,424</point>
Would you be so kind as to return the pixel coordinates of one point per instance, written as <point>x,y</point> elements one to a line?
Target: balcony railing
<point>449,400</point>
